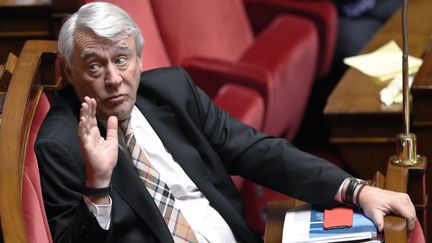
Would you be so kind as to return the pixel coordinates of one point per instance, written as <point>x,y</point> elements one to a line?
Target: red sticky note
<point>339,217</point>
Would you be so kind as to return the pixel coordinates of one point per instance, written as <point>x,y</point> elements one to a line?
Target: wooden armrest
<point>394,226</point>
<point>409,180</point>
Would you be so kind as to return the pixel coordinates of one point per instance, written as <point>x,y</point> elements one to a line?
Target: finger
<point>84,117</point>
<point>112,126</point>
<point>411,223</point>
<point>83,132</point>
<point>93,114</point>
<point>93,108</point>
<point>85,107</point>
<point>92,111</point>
<point>408,211</point>
<point>377,218</point>
<point>81,127</point>
<point>410,215</point>
<point>379,222</point>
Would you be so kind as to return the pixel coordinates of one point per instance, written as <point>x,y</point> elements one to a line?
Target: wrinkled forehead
<point>87,44</point>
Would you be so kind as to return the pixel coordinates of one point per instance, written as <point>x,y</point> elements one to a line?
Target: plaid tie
<point>158,189</point>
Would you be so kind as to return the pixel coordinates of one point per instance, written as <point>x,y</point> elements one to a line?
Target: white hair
<point>105,20</point>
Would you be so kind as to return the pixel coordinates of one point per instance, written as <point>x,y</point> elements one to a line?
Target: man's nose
<point>113,77</point>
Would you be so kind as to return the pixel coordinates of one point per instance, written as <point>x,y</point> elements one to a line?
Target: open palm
<point>100,154</point>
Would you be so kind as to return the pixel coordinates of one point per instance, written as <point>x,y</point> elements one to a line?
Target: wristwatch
<point>349,197</point>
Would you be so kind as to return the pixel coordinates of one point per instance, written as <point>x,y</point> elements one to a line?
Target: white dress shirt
<point>207,223</point>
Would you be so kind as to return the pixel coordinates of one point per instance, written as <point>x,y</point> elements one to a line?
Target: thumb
<point>112,126</point>
<point>378,219</point>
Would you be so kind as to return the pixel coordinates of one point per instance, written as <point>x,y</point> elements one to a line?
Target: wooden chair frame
<point>32,70</point>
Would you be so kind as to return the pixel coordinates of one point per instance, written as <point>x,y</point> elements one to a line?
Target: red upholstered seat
<point>280,61</point>
<point>33,206</point>
<point>417,235</point>
<point>322,12</point>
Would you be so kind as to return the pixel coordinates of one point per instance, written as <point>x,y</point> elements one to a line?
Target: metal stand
<point>406,170</point>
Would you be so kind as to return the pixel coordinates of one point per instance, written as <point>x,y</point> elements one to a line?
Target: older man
<point>127,156</point>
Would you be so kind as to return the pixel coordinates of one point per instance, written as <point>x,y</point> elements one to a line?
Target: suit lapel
<point>163,120</point>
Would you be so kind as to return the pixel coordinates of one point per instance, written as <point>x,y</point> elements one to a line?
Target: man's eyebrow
<point>87,53</point>
<point>123,47</point>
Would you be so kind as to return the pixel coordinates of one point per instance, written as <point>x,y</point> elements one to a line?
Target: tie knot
<point>125,126</point>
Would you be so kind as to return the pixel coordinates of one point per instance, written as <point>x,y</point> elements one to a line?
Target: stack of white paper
<point>384,64</point>
<point>306,225</point>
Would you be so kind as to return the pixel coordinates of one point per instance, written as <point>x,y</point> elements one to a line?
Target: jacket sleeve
<point>267,160</point>
<point>62,177</point>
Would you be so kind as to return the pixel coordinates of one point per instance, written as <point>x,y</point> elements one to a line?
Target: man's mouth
<point>116,99</point>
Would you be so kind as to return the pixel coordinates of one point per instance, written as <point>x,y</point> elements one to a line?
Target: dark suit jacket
<point>207,143</point>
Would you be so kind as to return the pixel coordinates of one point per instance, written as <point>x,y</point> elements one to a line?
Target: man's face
<point>106,71</point>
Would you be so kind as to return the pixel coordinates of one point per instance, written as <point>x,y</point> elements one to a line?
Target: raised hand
<point>100,154</point>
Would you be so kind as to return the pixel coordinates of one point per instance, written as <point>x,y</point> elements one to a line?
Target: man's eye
<point>94,67</point>
<point>121,61</point>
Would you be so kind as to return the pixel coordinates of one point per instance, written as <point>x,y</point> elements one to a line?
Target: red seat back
<point>33,206</point>
<point>322,13</point>
<point>213,28</point>
<point>220,30</point>
<point>417,235</point>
